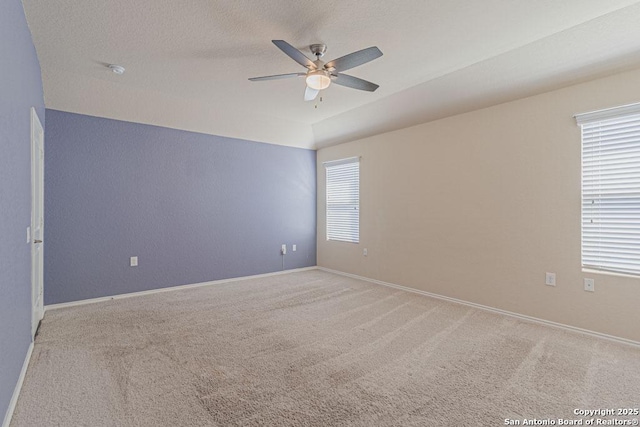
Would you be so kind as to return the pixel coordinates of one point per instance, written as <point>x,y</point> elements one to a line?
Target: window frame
<point>607,198</point>
<point>345,192</point>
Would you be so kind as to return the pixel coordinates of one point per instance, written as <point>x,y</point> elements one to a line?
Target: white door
<point>37,221</point>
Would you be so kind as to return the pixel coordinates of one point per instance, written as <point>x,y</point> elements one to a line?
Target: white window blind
<point>343,200</point>
<point>611,189</point>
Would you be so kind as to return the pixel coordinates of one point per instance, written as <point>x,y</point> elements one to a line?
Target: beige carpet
<point>312,349</point>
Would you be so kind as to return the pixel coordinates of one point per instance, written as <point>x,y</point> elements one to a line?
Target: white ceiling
<point>188,62</point>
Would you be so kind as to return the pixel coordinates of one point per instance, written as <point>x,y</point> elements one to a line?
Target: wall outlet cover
<point>133,261</point>
<point>590,285</point>
<point>550,279</point>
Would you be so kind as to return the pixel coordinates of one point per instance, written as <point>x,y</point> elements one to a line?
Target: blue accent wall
<point>20,89</point>
<point>192,207</point>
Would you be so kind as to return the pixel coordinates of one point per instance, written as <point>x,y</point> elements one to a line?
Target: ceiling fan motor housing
<point>318,49</point>
<point>320,78</point>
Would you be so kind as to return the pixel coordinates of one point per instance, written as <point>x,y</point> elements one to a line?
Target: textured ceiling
<point>187,62</point>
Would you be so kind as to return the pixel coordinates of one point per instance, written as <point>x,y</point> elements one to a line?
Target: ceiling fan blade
<point>294,54</point>
<point>354,59</point>
<point>277,76</point>
<point>354,82</point>
<point>310,94</point>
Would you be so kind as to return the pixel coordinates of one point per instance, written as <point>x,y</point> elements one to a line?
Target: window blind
<point>343,200</point>
<point>611,190</point>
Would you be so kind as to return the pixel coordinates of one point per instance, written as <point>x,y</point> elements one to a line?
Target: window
<point>343,200</point>
<point>611,189</point>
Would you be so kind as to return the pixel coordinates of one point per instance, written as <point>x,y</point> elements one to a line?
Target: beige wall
<point>480,205</point>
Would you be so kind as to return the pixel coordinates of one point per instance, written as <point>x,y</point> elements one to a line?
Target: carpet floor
<point>313,348</point>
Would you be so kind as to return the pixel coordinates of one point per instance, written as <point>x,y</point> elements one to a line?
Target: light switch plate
<point>294,248</point>
<point>133,262</point>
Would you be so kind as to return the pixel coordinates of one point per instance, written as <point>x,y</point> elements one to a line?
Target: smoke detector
<point>118,69</point>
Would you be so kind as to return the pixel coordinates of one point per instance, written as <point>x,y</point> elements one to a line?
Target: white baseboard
<point>171,289</point>
<point>491,309</point>
<point>16,391</point>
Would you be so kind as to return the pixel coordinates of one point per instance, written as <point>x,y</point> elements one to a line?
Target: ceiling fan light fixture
<point>318,80</point>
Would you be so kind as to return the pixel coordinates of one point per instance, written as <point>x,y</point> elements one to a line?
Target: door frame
<point>37,201</point>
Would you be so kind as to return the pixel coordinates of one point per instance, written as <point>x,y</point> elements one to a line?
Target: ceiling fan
<point>320,75</point>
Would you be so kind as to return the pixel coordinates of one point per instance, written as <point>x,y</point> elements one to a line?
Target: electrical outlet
<point>589,285</point>
<point>365,252</point>
<point>283,251</point>
<point>133,261</point>
<point>550,279</point>
<point>294,248</point>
